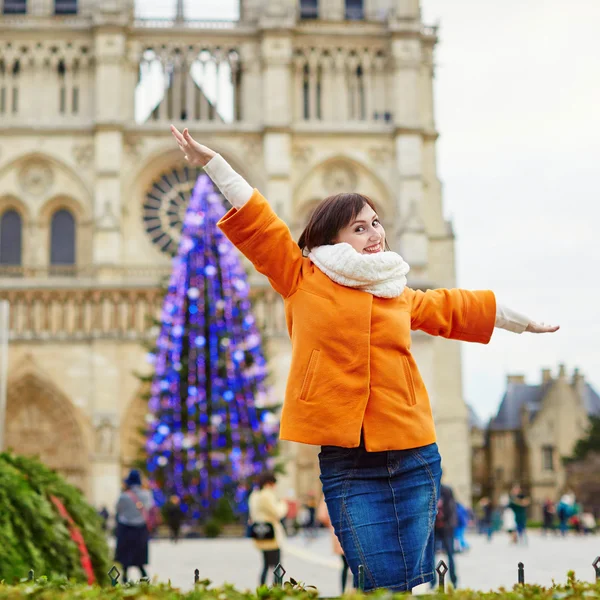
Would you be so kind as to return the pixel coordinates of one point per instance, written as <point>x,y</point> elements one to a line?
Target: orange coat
<point>352,369</point>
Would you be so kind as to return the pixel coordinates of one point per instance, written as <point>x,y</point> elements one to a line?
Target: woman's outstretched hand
<point>195,153</point>
<point>541,328</point>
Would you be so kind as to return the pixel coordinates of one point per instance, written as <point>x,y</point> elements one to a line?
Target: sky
<point>517,94</point>
<point>517,105</point>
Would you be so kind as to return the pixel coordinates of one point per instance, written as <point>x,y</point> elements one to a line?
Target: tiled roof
<point>519,395</point>
<point>591,400</point>
<point>475,422</point>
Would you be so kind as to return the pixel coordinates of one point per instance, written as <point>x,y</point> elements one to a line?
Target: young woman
<point>354,388</point>
<point>266,509</point>
<point>133,507</point>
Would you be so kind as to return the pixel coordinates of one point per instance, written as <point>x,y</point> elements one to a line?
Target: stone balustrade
<point>83,311</point>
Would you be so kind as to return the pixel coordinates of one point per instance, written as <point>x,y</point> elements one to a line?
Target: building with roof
<point>535,427</point>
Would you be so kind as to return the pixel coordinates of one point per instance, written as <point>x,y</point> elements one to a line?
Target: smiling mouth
<point>374,249</point>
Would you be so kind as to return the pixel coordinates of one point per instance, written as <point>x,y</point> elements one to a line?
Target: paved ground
<point>485,566</point>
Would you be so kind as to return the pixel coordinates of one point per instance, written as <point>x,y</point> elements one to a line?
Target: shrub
<point>33,535</point>
<point>61,589</point>
<point>213,528</point>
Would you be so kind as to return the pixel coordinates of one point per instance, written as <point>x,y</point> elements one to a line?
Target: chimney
<point>578,380</point>
<point>546,375</point>
<point>515,379</point>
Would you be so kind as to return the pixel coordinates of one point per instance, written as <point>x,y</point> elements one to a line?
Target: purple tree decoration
<point>210,427</point>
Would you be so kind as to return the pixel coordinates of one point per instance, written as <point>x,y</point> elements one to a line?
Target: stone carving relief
<point>380,154</point>
<point>302,154</point>
<point>252,150</point>
<point>107,220</point>
<point>339,177</point>
<point>105,431</point>
<point>36,177</point>
<point>83,154</point>
<point>133,145</point>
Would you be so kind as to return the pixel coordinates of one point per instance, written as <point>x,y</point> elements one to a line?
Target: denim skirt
<point>382,507</point>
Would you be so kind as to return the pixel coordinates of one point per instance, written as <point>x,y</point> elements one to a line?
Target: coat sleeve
<point>262,237</point>
<point>454,314</point>
<point>275,508</point>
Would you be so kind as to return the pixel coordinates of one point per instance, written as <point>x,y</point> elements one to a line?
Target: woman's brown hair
<point>331,215</point>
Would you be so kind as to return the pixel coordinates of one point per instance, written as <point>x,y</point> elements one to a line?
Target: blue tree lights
<point>210,425</point>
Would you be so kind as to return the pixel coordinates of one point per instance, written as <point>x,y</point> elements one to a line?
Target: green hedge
<point>32,533</point>
<point>61,589</point>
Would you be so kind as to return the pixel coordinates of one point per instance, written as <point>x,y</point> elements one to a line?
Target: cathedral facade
<point>303,97</point>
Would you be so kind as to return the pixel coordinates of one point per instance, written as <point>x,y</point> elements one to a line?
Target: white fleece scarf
<point>382,274</point>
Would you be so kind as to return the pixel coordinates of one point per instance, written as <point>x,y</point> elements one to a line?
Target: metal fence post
<point>361,578</point>
<point>114,575</point>
<point>279,573</point>
<point>442,569</point>
<point>521,573</point>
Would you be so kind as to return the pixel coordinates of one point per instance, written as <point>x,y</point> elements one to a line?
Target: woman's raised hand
<point>195,153</point>
<point>541,328</point>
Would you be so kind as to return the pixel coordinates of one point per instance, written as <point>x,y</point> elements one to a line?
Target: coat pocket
<point>410,383</point>
<point>310,371</point>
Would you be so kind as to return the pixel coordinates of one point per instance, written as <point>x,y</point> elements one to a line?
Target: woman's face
<point>365,233</point>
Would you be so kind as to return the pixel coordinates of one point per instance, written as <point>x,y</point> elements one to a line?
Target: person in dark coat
<point>103,512</point>
<point>445,524</point>
<point>133,508</point>
<point>174,517</point>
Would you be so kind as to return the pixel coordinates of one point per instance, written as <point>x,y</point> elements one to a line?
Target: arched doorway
<point>40,421</point>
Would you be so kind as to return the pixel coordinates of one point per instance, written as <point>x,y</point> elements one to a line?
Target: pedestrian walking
<point>133,516</point>
<point>174,517</point>
<point>462,522</point>
<point>266,513</point>
<point>519,503</point>
<point>445,525</point>
<point>354,387</point>
<point>549,512</point>
<point>486,506</point>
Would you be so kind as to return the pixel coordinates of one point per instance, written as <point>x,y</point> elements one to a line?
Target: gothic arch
<point>169,156</point>
<point>62,201</point>
<point>133,419</point>
<point>39,174</point>
<point>161,162</point>
<point>83,224</point>
<point>41,421</point>
<point>339,173</point>
<point>10,202</point>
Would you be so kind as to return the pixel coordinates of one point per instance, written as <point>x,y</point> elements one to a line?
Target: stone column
<point>408,139</point>
<point>332,10</point>
<point>277,115</point>
<point>251,85</point>
<point>341,87</point>
<point>112,73</point>
<point>406,9</point>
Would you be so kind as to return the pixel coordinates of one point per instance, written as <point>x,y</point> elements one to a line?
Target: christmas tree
<point>211,429</point>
